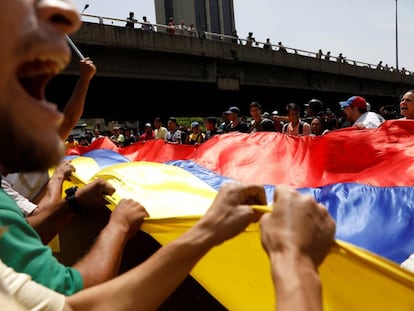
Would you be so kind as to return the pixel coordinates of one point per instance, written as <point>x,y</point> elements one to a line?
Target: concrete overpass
<point>142,74</point>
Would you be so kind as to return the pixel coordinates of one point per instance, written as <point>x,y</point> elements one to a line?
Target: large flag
<point>365,178</point>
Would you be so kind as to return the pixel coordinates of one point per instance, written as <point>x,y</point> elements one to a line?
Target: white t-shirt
<point>24,204</point>
<point>28,185</point>
<point>29,294</point>
<point>370,119</point>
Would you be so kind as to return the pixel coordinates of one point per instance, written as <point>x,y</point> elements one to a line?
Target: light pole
<point>396,33</point>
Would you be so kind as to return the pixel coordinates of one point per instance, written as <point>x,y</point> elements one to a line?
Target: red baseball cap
<point>355,101</point>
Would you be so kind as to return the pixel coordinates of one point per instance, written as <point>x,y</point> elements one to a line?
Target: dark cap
<point>233,109</point>
<point>315,104</point>
<point>211,119</point>
<point>172,119</point>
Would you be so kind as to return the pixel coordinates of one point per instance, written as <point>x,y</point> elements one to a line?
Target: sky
<point>362,30</point>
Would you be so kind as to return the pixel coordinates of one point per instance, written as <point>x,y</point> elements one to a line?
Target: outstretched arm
<point>74,107</point>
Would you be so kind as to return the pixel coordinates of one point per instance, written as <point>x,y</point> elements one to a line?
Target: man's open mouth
<point>34,75</point>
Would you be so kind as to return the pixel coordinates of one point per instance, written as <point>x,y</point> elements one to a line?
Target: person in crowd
<point>118,137</point>
<point>173,135</point>
<point>331,121</point>
<point>148,133</point>
<point>380,66</point>
<point>212,129</point>
<point>389,112</point>
<point>267,45</point>
<point>313,108</point>
<point>191,31</point>
<point>281,47</point>
<point>83,141</point>
<point>235,124</point>
<point>295,126</point>
<point>224,125</point>
<point>88,136</point>
<point>71,142</point>
<point>250,39</point>
<point>196,136</point>
<point>319,55</point>
<point>182,28</point>
<point>184,133</point>
<point>341,58</point>
<point>159,130</point>
<point>259,123</point>
<point>131,20</point>
<point>129,136</point>
<point>96,134</point>
<point>286,232</point>
<point>235,36</point>
<point>355,109</point>
<point>33,51</point>
<point>146,24</point>
<point>171,26</point>
<point>407,105</point>
<point>318,126</point>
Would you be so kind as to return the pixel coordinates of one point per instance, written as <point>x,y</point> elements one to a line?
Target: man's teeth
<point>34,71</point>
<point>43,65</point>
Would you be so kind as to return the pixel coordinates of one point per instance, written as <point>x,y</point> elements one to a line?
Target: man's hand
<point>297,224</point>
<point>130,215</point>
<point>231,212</point>
<point>92,194</point>
<point>87,68</point>
<point>64,170</point>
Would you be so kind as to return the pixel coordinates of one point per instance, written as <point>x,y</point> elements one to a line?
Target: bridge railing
<point>227,38</point>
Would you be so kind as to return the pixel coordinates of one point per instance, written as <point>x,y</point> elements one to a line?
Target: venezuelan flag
<point>364,177</point>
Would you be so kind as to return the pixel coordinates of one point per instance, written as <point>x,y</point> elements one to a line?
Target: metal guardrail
<point>236,40</point>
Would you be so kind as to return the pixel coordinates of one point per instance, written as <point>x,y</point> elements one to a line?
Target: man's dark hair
<point>212,120</point>
<point>292,106</point>
<point>256,104</point>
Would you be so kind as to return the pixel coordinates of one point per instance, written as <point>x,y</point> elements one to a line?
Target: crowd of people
<point>190,30</point>
<point>315,120</point>
<point>31,278</point>
<point>172,28</point>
